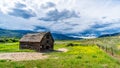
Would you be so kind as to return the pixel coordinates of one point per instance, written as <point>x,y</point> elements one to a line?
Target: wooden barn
<point>42,41</point>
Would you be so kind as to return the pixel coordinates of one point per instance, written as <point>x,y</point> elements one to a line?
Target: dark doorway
<point>47,47</point>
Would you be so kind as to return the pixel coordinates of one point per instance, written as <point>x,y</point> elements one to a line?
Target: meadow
<point>106,43</point>
<point>12,47</point>
<point>80,54</point>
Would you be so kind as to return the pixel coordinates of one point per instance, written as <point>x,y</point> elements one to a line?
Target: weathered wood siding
<point>30,45</point>
<point>46,43</point>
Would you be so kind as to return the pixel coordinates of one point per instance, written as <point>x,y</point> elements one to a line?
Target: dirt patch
<point>20,56</point>
<point>63,49</point>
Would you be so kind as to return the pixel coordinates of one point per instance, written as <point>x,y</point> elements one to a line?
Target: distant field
<point>80,55</point>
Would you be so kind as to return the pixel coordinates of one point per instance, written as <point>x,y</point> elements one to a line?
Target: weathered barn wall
<point>46,43</point>
<point>30,45</point>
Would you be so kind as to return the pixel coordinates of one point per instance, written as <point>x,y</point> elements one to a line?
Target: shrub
<point>10,40</point>
<point>94,56</point>
<point>2,40</point>
<point>3,60</point>
<point>70,44</point>
<point>79,57</point>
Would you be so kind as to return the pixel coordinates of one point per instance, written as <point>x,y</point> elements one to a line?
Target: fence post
<point>106,48</point>
<point>112,51</point>
<point>103,47</point>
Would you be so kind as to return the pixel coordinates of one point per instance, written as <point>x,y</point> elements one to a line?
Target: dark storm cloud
<point>40,28</point>
<point>22,13</point>
<point>55,15</point>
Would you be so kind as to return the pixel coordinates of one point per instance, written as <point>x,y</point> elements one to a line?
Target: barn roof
<point>35,37</point>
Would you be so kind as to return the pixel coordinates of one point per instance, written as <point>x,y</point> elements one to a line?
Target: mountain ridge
<point>108,35</point>
<point>20,33</point>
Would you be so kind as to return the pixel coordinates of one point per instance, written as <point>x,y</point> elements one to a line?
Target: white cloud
<point>91,12</point>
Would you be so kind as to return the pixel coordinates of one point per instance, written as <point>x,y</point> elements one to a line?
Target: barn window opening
<point>47,41</point>
<point>47,36</point>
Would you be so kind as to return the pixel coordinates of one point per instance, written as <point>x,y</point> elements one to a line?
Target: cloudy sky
<point>71,17</point>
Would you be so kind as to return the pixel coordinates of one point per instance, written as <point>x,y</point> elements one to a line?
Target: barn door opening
<point>47,47</point>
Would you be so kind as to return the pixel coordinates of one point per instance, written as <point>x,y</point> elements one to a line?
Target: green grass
<point>79,56</point>
<point>106,42</point>
<point>12,47</point>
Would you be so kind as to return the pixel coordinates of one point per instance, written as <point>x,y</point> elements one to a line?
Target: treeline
<point>9,40</point>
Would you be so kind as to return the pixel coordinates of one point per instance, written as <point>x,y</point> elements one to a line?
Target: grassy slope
<point>109,42</point>
<point>76,57</point>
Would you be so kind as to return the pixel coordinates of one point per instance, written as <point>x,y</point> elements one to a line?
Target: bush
<point>3,60</point>
<point>2,40</point>
<point>14,40</point>
<point>94,56</point>
<point>70,44</point>
<point>79,57</point>
<point>10,40</point>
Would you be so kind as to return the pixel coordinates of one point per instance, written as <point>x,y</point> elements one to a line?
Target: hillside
<point>13,33</point>
<point>108,35</point>
<point>20,33</point>
<point>110,44</point>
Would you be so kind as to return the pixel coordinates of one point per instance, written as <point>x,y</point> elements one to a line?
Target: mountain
<point>108,35</point>
<point>99,30</point>
<point>20,33</point>
<point>13,33</point>
<point>63,37</point>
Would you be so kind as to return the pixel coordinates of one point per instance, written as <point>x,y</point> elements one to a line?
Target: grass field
<point>106,42</point>
<point>12,47</point>
<point>79,56</point>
